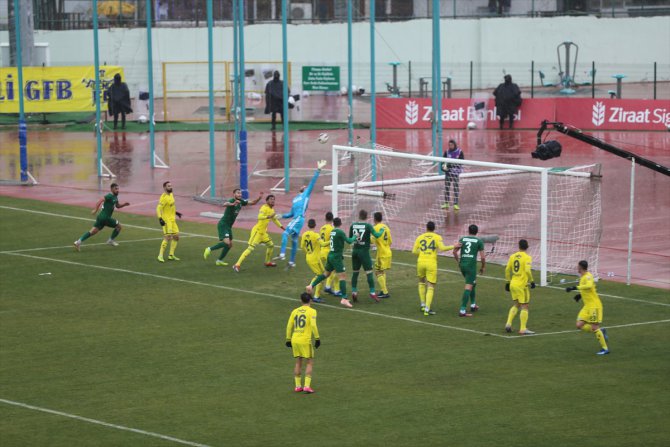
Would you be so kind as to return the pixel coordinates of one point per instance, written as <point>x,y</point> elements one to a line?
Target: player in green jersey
<point>360,255</point>
<point>335,262</point>
<point>225,225</point>
<point>469,246</point>
<point>104,217</point>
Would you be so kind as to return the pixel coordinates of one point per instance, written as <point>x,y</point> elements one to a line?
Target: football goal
<point>557,210</point>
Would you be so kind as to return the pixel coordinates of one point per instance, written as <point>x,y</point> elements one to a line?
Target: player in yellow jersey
<point>299,330</point>
<point>426,247</point>
<point>384,254</point>
<point>591,315</point>
<point>519,278</point>
<point>167,213</point>
<point>259,233</point>
<point>332,284</point>
<point>312,245</point>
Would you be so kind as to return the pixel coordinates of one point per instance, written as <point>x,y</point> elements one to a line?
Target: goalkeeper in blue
<point>297,214</point>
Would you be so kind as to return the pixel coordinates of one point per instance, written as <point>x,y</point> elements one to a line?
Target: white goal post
<point>557,209</point>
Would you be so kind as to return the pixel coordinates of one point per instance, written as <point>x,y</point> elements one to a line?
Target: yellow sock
<point>173,247</point>
<point>422,293</point>
<point>164,245</point>
<point>510,316</point>
<point>587,328</point>
<point>334,282</point>
<point>268,253</point>
<point>429,297</point>
<point>318,290</point>
<point>382,283</point>
<point>297,381</point>
<point>601,339</point>
<point>523,317</point>
<point>244,255</point>
<point>308,381</point>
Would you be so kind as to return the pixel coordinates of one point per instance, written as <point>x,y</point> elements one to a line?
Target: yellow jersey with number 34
<point>302,325</point>
<point>427,245</point>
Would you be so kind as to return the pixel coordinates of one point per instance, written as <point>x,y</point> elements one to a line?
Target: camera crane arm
<point>593,141</point>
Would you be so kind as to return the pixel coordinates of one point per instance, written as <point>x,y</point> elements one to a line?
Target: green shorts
<point>102,222</point>
<point>361,258</point>
<point>335,263</point>
<point>225,232</point>
<point>470,274</point>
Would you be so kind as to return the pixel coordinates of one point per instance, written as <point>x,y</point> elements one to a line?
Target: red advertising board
<point>583,113</point>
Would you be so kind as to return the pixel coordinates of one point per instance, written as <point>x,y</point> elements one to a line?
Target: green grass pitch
<point>187,353</point>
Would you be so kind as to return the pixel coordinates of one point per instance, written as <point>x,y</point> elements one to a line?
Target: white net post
<point>558,210</point>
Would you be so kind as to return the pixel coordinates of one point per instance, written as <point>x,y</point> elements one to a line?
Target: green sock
<point>472,295</point>
<point>465,299</point>
<point>217,246</point>
<point>371,282</point>
<point>354,281</point>
<point>224,252</point>
<point>318,279</point>
<point>343,287</point>
<point>114,234</point>
<point>85,236</point>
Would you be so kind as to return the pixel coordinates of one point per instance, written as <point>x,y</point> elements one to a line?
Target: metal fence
<point>77,14</point>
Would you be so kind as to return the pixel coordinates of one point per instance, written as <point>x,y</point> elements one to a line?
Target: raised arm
<point>257,199</point>
<point>310,187</point>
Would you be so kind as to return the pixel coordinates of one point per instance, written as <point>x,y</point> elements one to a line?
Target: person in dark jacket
<point>452,172</point>
<point>118,101</point>
<point>274,98</point>
<point>508,100</point>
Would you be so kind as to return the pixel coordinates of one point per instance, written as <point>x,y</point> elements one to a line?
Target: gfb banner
<point>417,113</point>
<point>55,89</point>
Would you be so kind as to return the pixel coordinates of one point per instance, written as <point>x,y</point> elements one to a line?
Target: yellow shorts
<point>593,315</point>
<point>258,237</point>
<point>520,293</point>
<point>170,227</point>
<point>382,262</point>
<point>428,271</point>
<point>304,350</point>
<point>316,266</point>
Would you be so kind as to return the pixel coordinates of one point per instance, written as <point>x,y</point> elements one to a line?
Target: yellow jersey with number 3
<point>302,325</point>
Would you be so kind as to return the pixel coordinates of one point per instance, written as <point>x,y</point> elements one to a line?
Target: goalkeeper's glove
<point>317,343</point>
<point>161,221</point>
<point>288,343</point>
<point>577,297</point>
<point>570,289</point>
<point>507,287</point>
<point>320,164</point>
<point>532,285</point>
<point>178,214</point>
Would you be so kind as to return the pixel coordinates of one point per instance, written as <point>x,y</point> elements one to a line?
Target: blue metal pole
<point>287,158</point>
<point>243,113</point>
<point>96,58</point>
<point>150,69</point>
<point>350,77</point>
<point>373,91</point>
<point>23,130</point>
<point>210,72</point>
<point>437,150</point>
<point>235,85</point>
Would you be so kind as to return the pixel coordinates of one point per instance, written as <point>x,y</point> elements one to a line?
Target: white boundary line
<point>251,292</point>
<point>61,247</point>
<point>65,216</point>
<point>104,424</point>
<point>643,323</point>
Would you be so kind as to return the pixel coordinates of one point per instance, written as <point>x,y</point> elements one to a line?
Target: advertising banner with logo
<point>416,113</point>
<point>614,114</point>
<point>584,113</point>
<point>55,89</point>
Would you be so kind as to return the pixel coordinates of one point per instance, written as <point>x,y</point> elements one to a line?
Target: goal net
<point>558,210</point>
